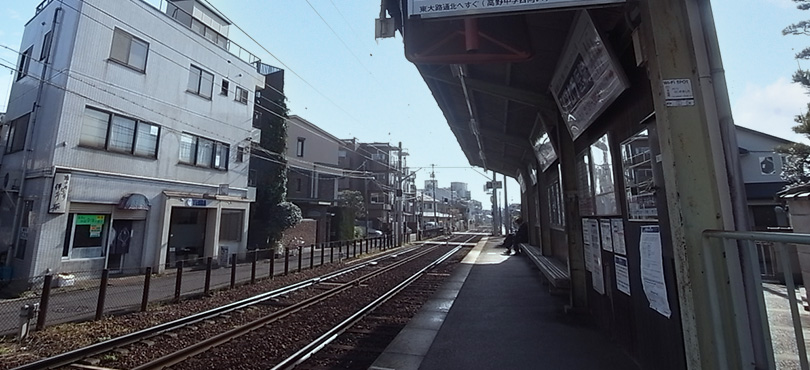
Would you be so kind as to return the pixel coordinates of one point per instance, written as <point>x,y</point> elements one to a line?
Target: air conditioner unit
<point>10,181</point>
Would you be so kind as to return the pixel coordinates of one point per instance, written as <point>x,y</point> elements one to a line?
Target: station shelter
<point>614,118</point>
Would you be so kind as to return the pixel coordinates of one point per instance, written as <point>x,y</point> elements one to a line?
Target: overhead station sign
<point>446,8</point>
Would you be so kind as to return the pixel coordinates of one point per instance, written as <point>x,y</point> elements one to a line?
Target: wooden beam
<point>525,97</point>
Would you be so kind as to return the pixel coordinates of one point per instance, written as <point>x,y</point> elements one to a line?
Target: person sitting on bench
<point>521,236</point>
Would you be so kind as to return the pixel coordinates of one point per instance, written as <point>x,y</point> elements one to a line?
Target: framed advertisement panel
<point>588,78</point>
<point>543,150</point>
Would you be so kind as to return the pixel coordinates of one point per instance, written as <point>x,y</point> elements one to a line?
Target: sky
<point>351,85</point>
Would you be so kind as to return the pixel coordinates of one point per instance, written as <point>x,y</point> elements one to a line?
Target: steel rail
<point>71,357</point>
<point>313,347</point>
<point>219,339</point>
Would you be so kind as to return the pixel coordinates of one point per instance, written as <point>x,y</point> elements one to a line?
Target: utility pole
<point>365,196</point>
<point>496,230</point>
<point>507,220</point>
<point>433,185</point>
<point>399,194</point>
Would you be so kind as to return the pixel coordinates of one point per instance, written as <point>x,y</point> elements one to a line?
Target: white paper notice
<point>598,278</point>
<point>586,244</point>
<point>622,274</point>
<point>618,236</point>
<point>652,270</point>
<point>607,239</point>
<point>597,274</point>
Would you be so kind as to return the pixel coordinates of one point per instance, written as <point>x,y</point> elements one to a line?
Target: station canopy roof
<point>491,76</point>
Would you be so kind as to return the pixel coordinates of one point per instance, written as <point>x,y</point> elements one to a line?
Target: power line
<point>341,40</point>
<point>288,68</point>
<point>184,68</point>
<point>166,128</point>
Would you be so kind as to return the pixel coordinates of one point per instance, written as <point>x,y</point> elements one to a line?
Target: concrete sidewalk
<point>494,313</point>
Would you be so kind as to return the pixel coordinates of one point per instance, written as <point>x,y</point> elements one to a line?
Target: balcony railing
<point>42,6</point>
<point>211,35</point>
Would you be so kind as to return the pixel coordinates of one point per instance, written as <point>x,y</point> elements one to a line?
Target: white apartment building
<point>126,139</point>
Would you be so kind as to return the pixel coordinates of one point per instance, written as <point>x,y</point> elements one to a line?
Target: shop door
<point>120,240</point>
<point>186,235</point>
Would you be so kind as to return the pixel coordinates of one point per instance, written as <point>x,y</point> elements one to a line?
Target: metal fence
<point>89,295</point>
<point>777,337</point>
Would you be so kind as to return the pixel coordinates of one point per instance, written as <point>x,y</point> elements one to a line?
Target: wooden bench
<point>555,271</point>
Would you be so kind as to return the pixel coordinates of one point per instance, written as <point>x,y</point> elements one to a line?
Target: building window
<point>299,147</point>
<point>241,95</point>
<point>298,184</point>
<point>377,198</point>
<point>188,144</point>
<point>85,236</point>
<point>223,90</point>
<point>209,33</point>
<point>205,151</point>
<point>767,166</point>
<point>221,152</point>
<point>555,202</point>
<point>116,133</point>
<point>242,153</point>
<point>46,46</point>
<point>25,62</point>
<point>202,152</point>
<point>17,130</point>
<point>129,50</point>
<point>200,82</point>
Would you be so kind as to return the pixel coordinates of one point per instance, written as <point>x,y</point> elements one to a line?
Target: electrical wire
<point>287,67</point>
<point>360,148</point>
<point>169,129</point>
<point>194,39</point>
<point>341,41</point>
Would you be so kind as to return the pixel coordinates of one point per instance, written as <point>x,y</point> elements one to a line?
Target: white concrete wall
<point>319,146</point>
<point>758,146</point>
<point>81,75</point>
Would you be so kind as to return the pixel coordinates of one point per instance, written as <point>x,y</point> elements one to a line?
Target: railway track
<point>268,307</point>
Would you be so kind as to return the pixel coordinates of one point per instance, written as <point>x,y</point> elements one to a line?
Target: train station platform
<point>495,313</point>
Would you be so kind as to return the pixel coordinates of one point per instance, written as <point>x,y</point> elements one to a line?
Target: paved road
<point>781,324</point>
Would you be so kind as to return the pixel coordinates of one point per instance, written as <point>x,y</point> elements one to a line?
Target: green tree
<point>796,167</point>
<point>353,200</point>
<point>282,217</point>
<point>270,216</point>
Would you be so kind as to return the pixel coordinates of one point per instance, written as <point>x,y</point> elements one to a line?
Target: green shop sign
<point>90,219</point>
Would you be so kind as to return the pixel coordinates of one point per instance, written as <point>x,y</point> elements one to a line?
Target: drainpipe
<point>757,341</point>
<point>27,147</point>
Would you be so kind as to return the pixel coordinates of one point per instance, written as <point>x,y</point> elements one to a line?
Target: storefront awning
<point>134,201</point>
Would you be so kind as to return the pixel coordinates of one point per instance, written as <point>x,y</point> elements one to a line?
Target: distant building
<point>135,153</point>
<point>762,174</point>
<point>460,190</point>
<point>313,172</point>
<point>380,162</point>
